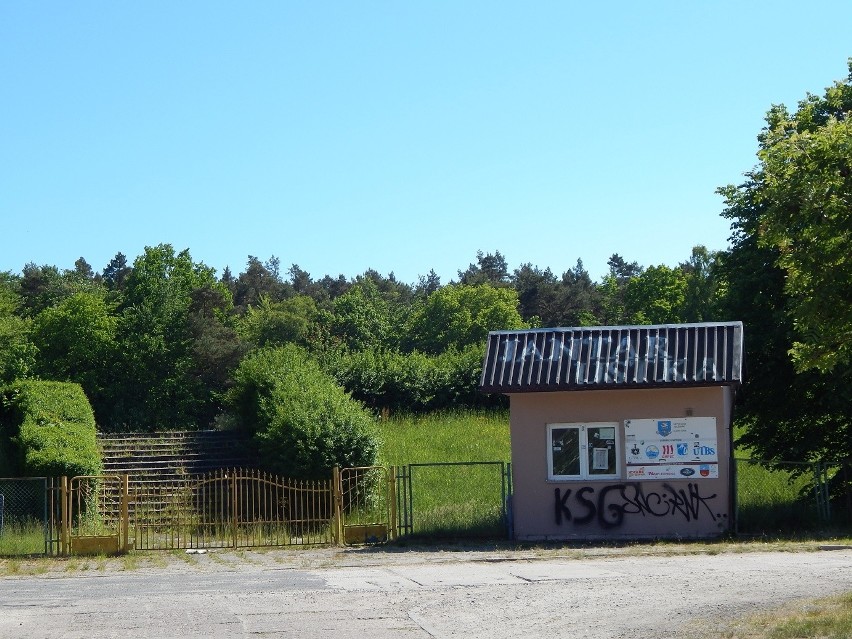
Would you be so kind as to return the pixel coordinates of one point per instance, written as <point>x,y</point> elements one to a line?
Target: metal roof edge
<point>622,327</point>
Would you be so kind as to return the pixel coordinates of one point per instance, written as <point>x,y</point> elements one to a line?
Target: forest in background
<point>155,343</point>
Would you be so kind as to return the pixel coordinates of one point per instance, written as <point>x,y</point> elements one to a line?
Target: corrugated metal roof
<point>596,357</point>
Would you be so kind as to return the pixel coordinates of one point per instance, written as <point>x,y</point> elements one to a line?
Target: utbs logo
<point>652,452</point>
<point>687,472</point>
<point>698,449</point>
<point>664,428</point>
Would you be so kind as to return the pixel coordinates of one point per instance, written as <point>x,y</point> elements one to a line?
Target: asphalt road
<point>418,595</point>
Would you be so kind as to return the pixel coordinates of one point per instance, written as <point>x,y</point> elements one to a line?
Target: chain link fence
<point>25,516</point>
<point>780,497</point>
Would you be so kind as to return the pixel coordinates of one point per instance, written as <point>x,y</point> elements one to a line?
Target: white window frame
<point>585,473</point>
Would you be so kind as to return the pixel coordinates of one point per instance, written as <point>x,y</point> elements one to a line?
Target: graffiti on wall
<point>610,505</point>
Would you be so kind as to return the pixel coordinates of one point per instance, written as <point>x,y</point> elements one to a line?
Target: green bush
<point>48,430</point>
<point>413,382</point>
<point>303,422</point>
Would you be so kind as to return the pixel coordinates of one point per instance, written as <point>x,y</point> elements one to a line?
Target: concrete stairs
<point>170,456</point>
<point>159,463</point>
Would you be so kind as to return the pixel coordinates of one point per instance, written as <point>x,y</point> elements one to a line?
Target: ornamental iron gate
<point>234,508</point>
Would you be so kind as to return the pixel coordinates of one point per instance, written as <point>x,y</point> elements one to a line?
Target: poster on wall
<point>671,448</point>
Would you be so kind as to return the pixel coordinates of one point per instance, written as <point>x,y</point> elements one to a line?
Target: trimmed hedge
<point>47,429</point>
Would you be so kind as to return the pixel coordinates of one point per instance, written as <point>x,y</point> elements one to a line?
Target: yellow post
<point>125,513</point>
<point>392,498</point>
<point>65,525</point>
<point>337,490</point>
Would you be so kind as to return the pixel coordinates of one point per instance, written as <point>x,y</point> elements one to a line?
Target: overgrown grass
<point>452,436</point>
<point>22,538</point>
<point>773,501</point>
<point>446,499</point>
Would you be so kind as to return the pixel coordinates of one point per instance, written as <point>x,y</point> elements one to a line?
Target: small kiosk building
<point>619,432</point>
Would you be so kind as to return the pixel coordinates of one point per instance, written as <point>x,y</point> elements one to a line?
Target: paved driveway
<point>417,595</point>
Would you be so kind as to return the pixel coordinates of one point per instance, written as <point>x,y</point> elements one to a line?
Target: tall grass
<point>451,436</point>
<point>774,500</point>
<point>24,537</point>
<point>447,499</point>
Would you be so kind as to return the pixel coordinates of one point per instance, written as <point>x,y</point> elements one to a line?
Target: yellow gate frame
<point>93,544</point>
<point>357,521</point>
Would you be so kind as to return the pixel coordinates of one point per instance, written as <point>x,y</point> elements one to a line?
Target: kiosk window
<point>582,451</point>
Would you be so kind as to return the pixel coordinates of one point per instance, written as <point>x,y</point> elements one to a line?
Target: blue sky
<point>398,136</point>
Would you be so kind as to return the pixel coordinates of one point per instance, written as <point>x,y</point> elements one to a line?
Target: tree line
<point>155,343</point>
<point>158,343</point>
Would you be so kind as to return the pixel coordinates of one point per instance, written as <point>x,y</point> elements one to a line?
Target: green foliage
<point>51,429</point>
<point>155,345</point>
<point>458,316</point>
<point>303,422</point>
<point>704,287</point>
<point>76,343</point>
<point>656,296</point>
<point>489,269</point>
<point>44,286</point>
<point>277,323</point>
<point>412,382</point>
<point>157,386</point>
<point>361,318</point>
<point>17,353</point>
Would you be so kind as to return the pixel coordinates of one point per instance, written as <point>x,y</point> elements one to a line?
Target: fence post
<point>391,497</point>
<point>125,513</point>
<point>508,505</point>
<point>337,491</point>
<point>65,518</point>
<point>234,520</point>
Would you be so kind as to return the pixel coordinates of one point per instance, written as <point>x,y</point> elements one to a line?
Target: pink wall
<point>616,508</point>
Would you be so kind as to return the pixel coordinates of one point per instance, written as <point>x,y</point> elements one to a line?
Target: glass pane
<point>565,448</point>
<point>602,451</point>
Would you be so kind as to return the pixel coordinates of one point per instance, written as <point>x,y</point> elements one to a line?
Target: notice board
<point>671,448</point>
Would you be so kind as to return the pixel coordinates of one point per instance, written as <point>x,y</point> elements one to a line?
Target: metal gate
<point>94,514</point>
<point>366,498</point>
<point>455,499</point>
<point>234,508</point>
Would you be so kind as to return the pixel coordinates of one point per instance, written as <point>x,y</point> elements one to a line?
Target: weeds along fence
<point>781,497</point>
<point>27,521</point>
